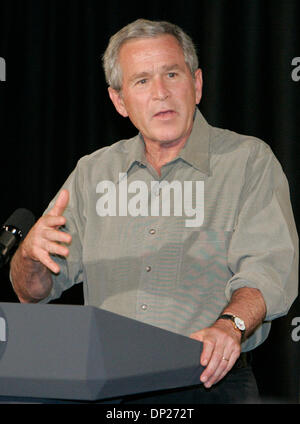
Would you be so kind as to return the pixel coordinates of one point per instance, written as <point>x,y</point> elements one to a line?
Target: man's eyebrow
<point>139,75</point>
<point>145,74</point>
<point>174,67</point>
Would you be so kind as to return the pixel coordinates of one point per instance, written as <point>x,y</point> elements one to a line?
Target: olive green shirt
<point>146,256</point>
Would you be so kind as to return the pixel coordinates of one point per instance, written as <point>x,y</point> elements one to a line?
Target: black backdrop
<point>54,108</point>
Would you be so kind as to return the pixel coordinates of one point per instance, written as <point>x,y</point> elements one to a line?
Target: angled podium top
<point>85,353</point>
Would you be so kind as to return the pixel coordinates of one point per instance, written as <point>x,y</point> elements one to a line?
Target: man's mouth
<point>165,114</point>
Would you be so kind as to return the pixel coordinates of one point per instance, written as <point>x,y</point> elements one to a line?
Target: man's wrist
<point>237,323</point>
<point>228,328</point>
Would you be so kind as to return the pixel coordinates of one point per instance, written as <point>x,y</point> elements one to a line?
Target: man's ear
<point>198,85</point>
<point>116,98</point>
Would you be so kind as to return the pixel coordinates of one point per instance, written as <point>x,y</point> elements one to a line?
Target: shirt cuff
<point>274,296</point>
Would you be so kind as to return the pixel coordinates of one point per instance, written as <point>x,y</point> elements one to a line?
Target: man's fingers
<point>218,365</point>
<point>223,371</point>
<point>53,221</point>
<point>45,247</point>
<point>214,361</point>
<point>206,354</point>
<point>43,255</point>
<point>56,249</point>
<point>225,365</point>
<point>45,238</point>
<point>60,204</point>
<point>207,347</point>
<point>49,263</point>
<point>58,236</point>
<point>220,351</point>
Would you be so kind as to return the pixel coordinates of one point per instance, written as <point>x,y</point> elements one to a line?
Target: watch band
<point>238,323</point>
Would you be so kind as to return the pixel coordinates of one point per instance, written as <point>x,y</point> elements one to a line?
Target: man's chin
<point>164,137</point>
<point>169,139</point>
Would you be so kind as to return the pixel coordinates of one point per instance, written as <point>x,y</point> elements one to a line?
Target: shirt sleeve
<point>263,252</point>
<point>71,268</point>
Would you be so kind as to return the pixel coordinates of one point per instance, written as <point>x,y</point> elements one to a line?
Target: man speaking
<point>221,281</point>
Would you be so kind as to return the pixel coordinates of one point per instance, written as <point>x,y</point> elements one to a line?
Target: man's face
<point>158,92</point>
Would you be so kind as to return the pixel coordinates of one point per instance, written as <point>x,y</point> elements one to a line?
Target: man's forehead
<point>159,37</point>
<point>144,53</point>
<point>149,45</point>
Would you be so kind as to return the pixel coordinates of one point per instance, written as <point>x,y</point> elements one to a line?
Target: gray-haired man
<point>220,282</point>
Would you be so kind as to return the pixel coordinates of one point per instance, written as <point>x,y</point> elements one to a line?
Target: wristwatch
<point>238,323</point>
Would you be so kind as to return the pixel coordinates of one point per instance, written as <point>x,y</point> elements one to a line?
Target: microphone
<point>13,231</point>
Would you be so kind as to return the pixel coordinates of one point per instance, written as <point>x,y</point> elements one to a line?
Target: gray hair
<point>142,28</point>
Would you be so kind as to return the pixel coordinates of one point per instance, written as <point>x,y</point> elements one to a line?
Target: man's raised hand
<point>45,238</point>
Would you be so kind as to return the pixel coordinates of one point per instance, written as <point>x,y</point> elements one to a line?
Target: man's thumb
<point>60,204</point>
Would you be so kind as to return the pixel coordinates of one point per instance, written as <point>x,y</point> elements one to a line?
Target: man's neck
<point>158,154</point>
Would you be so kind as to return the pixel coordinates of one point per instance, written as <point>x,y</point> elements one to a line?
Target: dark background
<point>54,108</point>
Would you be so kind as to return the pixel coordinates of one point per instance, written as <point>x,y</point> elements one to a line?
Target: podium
<point>83,353</point>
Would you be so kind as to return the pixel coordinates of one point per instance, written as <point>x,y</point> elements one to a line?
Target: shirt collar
<point>195,151</point>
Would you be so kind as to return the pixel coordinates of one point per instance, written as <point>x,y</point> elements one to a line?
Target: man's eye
<point>171,74</point>
<point>142,81</point>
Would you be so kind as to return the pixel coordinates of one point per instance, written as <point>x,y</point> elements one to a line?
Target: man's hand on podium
<point>221,349</point>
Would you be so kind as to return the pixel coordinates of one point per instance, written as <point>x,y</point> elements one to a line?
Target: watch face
<point>239,323</point>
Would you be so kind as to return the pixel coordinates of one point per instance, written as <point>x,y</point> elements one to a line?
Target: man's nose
<point>159,89</point>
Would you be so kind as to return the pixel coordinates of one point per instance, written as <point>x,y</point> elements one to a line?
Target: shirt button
<point>144,307</point>
<point>148,268</point>
<point>152,231</point>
